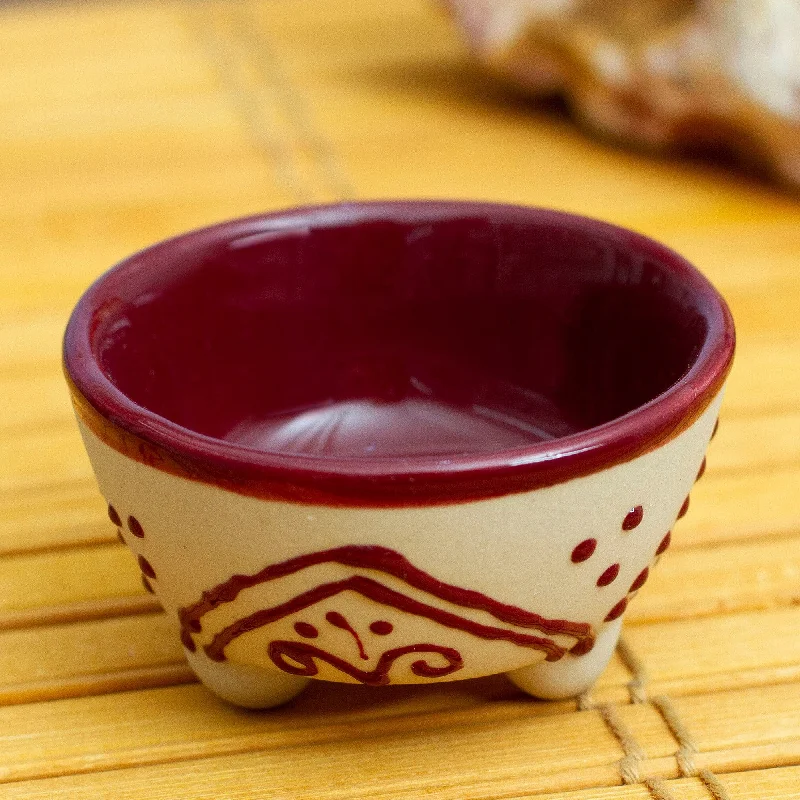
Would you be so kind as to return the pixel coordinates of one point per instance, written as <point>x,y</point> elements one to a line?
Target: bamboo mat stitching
<point>714,785</point>
<point>687,749</point>
<point>637,685</point>
<point>294,104</point>
<point>630,765</point>
<point>658,789</point>
<point>242,45</point>
<point>259,122</point>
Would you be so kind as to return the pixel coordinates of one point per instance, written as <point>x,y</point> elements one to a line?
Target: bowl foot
<point>249,687</point>
<point>572,674</point>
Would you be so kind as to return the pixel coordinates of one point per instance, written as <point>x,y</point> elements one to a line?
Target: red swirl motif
<point>303,654</point>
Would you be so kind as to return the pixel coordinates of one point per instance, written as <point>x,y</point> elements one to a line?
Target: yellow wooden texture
<point>124,123</point>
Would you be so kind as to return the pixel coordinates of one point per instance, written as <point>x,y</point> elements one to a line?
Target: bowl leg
<point>249,687</point>
<point>572,674</point>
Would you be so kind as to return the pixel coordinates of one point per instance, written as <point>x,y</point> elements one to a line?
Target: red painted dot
<point>337,620</point>
<point>114,516</point>
<point>665,542</point>
<point>306,629</point>
<point>640,581</point>
<point>618,610</point>
<point>121,537</point>
<point>609,576</point>
<point>584,550</point>
<point>701,471</point>
<point>583,647</point>
<point>146,567</point>
<point>716,428</point>
<point>633,518</point>
<point>381,627</point>
<point>147,585</point>
<point>135,527</point>
<point>684,508</point>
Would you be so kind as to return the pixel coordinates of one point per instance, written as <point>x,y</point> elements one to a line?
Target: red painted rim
<point>153,439</point>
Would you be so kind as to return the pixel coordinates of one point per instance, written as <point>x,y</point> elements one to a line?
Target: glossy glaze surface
<point>356,348</point>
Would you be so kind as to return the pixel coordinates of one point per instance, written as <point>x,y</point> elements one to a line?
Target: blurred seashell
<point>665,74</point>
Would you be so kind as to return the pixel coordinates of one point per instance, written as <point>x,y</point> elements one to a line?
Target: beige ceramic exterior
<point>514,549</point>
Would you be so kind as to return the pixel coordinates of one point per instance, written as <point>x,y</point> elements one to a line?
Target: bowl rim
<point>387,481</point>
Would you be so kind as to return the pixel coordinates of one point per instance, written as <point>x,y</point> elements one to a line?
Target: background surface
<point>124,123</point>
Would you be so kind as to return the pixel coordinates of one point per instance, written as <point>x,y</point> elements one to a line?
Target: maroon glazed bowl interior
<point>396,340</point>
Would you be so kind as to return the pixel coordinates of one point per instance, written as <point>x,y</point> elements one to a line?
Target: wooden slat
<point>80,653</point>
<point>759,243</point>
<point>769,784</point>
<point>30,344</point>
<point>64,659</point>
<point>682,653</point>
<point>99,169</point>
<point>183,723</point>
<point>41,581</point>
<point>53,515</point>
<point>766,377</point>
<point>212,726</point>
<point>41,457</point>
<point>165,727</point>
<point>172,725</point>
<point>34,402</point>
<point>762,443</point>
<point>743,505</point>
<point>697,582</point>
<point>716,722</point>
<point>772,784</point>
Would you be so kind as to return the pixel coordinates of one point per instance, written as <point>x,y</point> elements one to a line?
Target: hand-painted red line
<point>640,581</point>
<point>373,557</point>
<point>702,470</point>
<point>338,621</point>
<point>584,551</point>
<point>633,518</point>
<point>381,627</point>
<point>113,515</point>
<point>146,567</point>
<point>380,594</point>
<point>304,654</point>
<point>618,610</point>
<point>306,630</point>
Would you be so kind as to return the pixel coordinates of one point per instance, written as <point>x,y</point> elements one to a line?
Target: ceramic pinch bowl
<point>398,442</point>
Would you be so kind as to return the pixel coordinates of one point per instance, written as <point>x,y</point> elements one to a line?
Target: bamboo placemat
<point>124,123</point>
